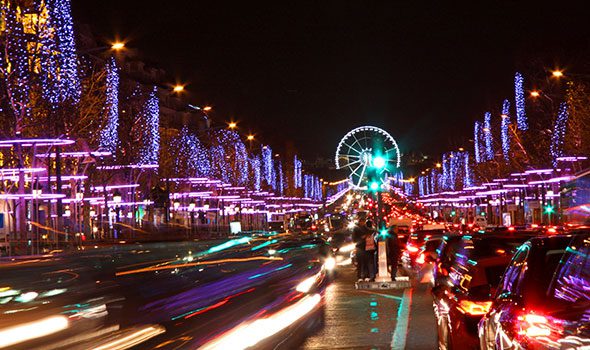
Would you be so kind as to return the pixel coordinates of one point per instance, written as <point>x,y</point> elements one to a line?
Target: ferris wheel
<point>365,148</point>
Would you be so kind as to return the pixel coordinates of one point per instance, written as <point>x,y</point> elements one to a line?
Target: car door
<point>497,326</point>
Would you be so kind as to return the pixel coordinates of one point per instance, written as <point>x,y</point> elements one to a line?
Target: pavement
<point>374,319</point>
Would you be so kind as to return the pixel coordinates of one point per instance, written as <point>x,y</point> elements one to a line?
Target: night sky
<point>309,71</point>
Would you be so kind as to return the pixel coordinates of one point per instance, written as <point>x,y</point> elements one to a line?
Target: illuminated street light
<point>438,165</point>
<point>117,197</point>
<point>207,108</point>
<point>178,88</point>
<point>535,94</point>
<point>557,73</point>
<point>250,138</point>
<point>379,162</point>
<point>118,46</point>
<point>232,125</point>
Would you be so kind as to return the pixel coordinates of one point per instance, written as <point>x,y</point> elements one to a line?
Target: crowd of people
<point>366,239</point>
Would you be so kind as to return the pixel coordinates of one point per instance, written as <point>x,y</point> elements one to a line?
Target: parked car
<point>420,246</point>
<point>543,300</point>
<point>466,295</point>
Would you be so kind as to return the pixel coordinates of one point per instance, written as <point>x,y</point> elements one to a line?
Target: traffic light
<point>549,209</point>
<point>379,162</point>
<point>374,186</point>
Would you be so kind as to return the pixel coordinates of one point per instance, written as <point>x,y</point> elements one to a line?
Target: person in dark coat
<point>358,237</point>
<point>393,251</point>
<point>370,252</point>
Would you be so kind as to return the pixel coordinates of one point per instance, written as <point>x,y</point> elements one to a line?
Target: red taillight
<point>474,308</point>
<point>511,228</point>
<point>533,325</point>
<point>551,230</point>
<point>470,225</point>
<point>411,248</point>
<point>534,226</point>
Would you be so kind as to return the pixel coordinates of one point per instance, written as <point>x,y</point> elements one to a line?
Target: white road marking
<point>398,342</point>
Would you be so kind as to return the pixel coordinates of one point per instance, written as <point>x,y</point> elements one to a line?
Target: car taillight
<point>511,228</point>
<point>420,259</point>
<point>533,325</point>
<point>474,308</point>
<point>411,248</point>
<point>551,230</point>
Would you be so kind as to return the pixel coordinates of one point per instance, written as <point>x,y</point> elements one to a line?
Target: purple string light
<point>488,138</point>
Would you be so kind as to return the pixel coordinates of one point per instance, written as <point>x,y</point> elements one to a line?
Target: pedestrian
<point>393,251</point>
<point>370,253</point>
<point>358,237</point>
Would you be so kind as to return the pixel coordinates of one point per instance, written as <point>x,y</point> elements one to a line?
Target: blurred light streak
<point>27,331</point>
<point>249,334</point>
<point>132,339</point>
<point>307,283</point>
<point>207,262</point>
<point>229,244</point>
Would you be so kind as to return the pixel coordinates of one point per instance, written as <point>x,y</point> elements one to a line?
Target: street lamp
<point>557,73</point>
<point>232,125</point>
<point>535,93</point>
<point>250,137</point>
<point>117,197</point>
<point>118,46</point>
<point>178,88</point>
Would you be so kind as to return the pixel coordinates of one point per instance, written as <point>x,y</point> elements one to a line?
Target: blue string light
<point>477,141</point>
<point>109,137</point>
<point>256,172</point>
<point>67,81</point>
<point>488,138</point>
<point>297,173</point>
<point>280,177</point>
<point>521,118</point>
<point>267,166</point>
<point>467,174</point>
<point>505,131</point>
<point>191,157</point>
<point>150,139</point>
<point>558,136</point>
<point>16,65</point>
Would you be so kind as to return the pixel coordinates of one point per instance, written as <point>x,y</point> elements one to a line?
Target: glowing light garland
<point>477,142</point>
<point>521,118</point>
<point>229,157</point>
<point>488,137</point>
<point>280,178</point>
<point>16,64</point>
<point>267,165</point>
<point>297,173</point>
<point>256,172</point>
<point>467,174</point>
<point>505,131</point>
<point>109,137</point>
<point>558,136</point>
<point>67,82</point>
<point>150,139</point>
<point>191,158</point>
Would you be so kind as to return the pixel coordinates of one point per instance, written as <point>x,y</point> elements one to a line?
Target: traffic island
<point>399,283</point>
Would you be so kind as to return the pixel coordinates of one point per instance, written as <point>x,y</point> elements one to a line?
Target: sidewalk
<point>374,319</point>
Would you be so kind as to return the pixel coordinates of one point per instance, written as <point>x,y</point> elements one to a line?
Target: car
<point>465,296</point>
<point>445,256</point>
<point>420,245</point>
<point>543,300</point>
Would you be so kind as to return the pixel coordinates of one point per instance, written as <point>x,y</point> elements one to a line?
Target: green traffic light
<point>374,186</point>
<point>549,209</point>
<point>379,162</point>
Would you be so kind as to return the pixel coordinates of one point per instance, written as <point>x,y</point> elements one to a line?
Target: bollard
<point>383,275</point>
